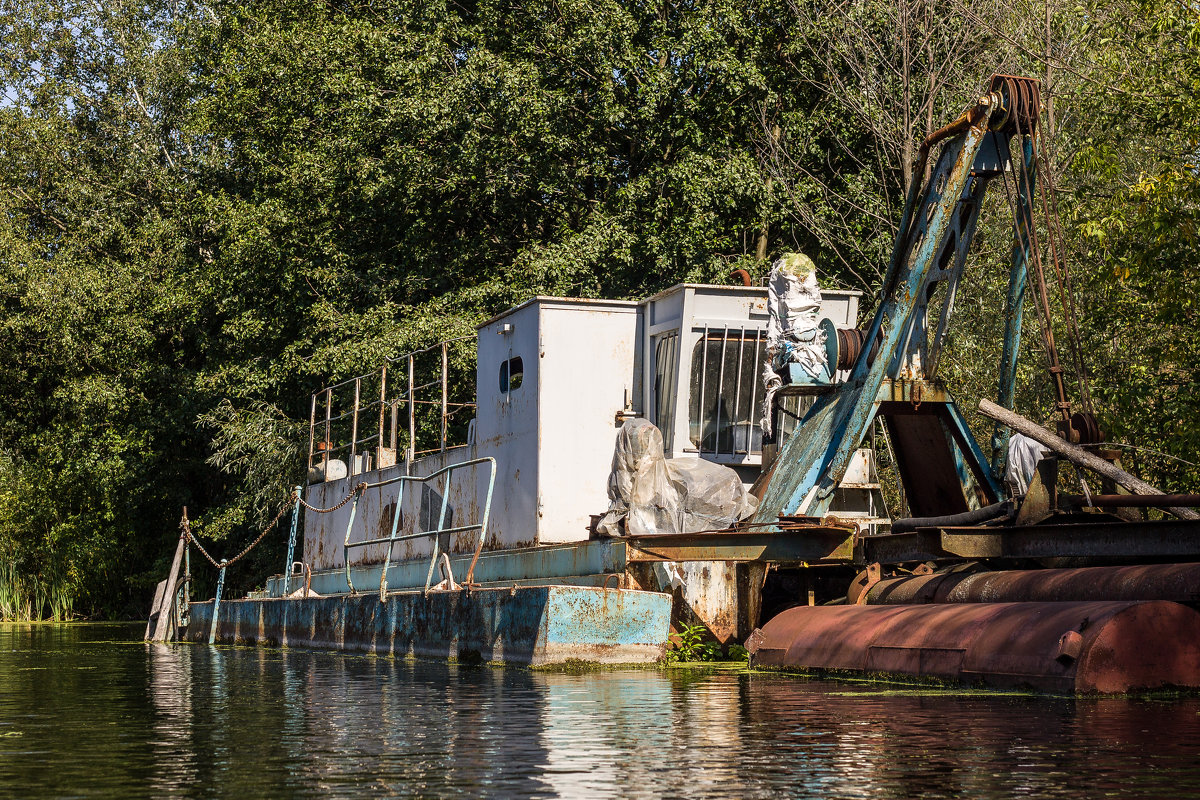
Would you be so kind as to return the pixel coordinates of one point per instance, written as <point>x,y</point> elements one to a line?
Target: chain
<point>185,526</point>
<point>282,509</point>
<point>349,496</point>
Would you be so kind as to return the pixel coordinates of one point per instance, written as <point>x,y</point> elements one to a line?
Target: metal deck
<point>595,562</point>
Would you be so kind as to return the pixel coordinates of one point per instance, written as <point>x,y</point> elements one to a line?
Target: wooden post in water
<point>158,628</point>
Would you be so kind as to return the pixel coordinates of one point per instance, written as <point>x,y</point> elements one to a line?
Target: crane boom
<point>942,467</point>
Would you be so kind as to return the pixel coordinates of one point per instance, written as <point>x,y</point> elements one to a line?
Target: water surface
<point>91,711</point>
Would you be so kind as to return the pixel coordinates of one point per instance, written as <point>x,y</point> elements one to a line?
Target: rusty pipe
<point>972,116</point>
<point>1145,500</point>
<point>976,516</point>
<point>1178,582</point>
<point>1084,648</point>
<point>743,275</point>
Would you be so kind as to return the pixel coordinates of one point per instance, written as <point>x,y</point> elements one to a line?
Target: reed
<point>11,592</point>
<point>32,599</point>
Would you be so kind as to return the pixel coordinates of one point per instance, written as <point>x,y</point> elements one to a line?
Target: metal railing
<point>434,533</point>
<point>374,397</point>
<point>725,422</point>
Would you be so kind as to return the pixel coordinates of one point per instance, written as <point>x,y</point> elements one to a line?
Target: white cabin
<point>555,380</point>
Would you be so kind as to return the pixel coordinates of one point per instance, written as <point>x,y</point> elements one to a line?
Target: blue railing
<point>434,533</point>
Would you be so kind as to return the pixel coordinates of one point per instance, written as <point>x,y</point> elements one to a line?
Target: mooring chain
<point>349,496</point>
<point>191,537</point>
<point>185,526</point>
<point>283,508</point>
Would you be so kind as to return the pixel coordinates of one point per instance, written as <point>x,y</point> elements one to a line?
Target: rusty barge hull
<point>1063,648</point>
<point>535,625</point>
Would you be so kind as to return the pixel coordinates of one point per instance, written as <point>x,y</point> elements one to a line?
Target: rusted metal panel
<point>708,596</point>
<point>1160,539</point>
<point>924,459</point>
<point>1179,582</point>
<point>324,534</point>
<point>723,596</point>
<point>817,544</point>
<point>751,578</point>
<point>522,625</point>
<point>1057,647</point>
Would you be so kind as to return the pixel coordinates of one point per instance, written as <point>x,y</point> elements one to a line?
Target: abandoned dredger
<point>533,539</point>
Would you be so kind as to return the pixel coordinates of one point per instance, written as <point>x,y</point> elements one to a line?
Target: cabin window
<point>726,392</point>
<point>511,373</point>
<point>666,352</point>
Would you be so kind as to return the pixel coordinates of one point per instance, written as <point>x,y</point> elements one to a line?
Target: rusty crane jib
<point>942,468</point>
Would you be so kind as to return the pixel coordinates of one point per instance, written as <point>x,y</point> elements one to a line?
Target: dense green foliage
<point>208,210</point>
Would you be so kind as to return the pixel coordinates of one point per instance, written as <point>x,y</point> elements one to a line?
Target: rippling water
<point>91,711</point>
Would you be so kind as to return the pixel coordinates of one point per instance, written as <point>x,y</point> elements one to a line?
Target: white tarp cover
<point>1023,455</point>
<point>655,494</point>
<point>794,309</point>
<point>793,335</point>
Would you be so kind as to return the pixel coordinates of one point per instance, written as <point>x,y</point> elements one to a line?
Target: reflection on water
<point>92,711</point>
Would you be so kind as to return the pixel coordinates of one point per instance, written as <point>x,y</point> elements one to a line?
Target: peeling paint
<point>522,625</point>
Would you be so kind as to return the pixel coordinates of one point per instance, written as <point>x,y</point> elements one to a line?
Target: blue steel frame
<point>1014,302</point>
<point>291,548</point>
<point>435,533</point>
<point>936,229</point>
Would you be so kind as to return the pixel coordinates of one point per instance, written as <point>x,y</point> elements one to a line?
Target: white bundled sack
<point>1023,457</point>
<point>794,313</point>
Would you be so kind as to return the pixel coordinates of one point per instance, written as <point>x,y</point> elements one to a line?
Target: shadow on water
<point>92,711</point>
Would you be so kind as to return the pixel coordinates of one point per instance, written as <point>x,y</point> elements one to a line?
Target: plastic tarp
<point>794,314</point>
<point>1023,455</point>
<point>656,495</point>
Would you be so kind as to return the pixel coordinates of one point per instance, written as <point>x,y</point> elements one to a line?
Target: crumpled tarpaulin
<point>1024,454</point>
<point>655,494</point>
<point>793,335</point>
